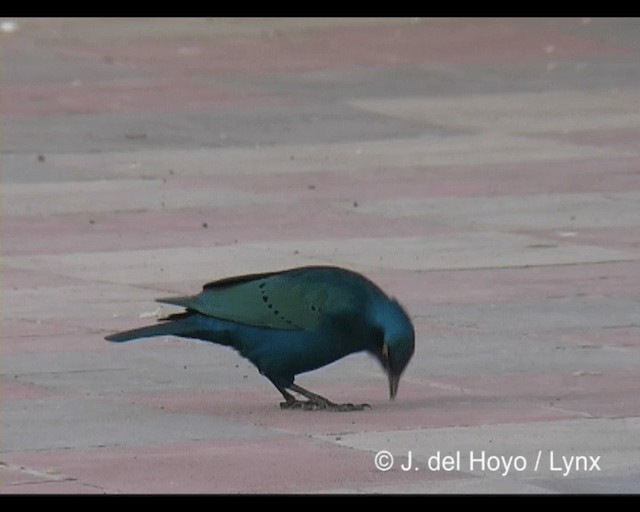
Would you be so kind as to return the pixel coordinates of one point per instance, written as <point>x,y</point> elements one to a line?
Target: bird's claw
<point>308,405</point>
<point>349,407</point>
<point>304,405</point>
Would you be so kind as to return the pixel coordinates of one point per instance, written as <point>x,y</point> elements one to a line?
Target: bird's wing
<point>280,300</point>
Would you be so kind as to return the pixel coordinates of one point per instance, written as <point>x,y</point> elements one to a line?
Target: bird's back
<point>296,299</point>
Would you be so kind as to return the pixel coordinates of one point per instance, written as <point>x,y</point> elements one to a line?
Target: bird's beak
<point>393,385</point>
<point>393,379</point>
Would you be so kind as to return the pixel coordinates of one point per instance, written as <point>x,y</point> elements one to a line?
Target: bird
<point>294,321</point>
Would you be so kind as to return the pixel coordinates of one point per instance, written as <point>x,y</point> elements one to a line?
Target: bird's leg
<point>315,402</point>
<point>291,402</point>
<point>289,398</point>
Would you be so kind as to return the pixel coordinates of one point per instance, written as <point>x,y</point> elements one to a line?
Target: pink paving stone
<point>51,336</point>
<point>610,404</point>
<point>619,138</point>
<point>271,465</point>
<point>509,284</point>
<point>620,337</point>
<point>61,234</point>
<point>380,45</point>
<point>24,328</point>
<point>104,231</point>
<point>419,405</point>
<point>55,234</point>
<point>12,390</point>
<point>12,486</point>
<point>618,174</point>
<point>605,394</point>
<point>127,96</point>
<point>361,46</point>
<point>19,279</point>
<point>621,238</point>
<point>21,480</point>
<point>225,226</point>
<point>56,342</point>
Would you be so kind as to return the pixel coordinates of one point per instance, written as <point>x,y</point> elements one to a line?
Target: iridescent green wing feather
<point>280,300</point>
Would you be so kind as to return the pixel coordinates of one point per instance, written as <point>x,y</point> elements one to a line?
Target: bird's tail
<point>177,325</point>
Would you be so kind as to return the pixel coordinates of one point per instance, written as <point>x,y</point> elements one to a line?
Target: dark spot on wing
<point>276,312</point>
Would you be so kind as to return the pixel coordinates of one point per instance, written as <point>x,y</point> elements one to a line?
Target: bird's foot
<point>309,405</point>
<point>303,405</point>
<point>348,407</point>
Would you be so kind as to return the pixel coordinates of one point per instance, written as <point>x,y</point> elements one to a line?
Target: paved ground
<point>486,172</point>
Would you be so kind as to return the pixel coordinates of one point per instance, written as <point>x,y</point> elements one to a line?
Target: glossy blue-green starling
<point>295,321</point>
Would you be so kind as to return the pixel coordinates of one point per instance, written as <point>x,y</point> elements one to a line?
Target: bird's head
<point>396,343</point>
